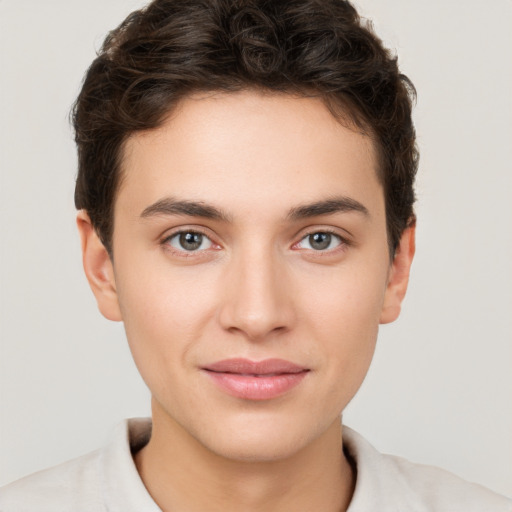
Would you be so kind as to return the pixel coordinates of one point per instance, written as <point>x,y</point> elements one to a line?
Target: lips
<point>256,380</point>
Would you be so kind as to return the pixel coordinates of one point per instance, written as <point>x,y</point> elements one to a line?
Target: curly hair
<point>173,48</point>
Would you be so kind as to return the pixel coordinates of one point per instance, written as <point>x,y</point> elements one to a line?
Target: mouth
<point>256,380</point>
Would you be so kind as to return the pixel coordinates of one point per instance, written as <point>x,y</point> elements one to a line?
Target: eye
<point>320,241</point>
<point>189,241</point>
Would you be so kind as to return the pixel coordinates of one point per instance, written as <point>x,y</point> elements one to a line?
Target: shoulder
<point>398,484</point>
<point>73,485</point>
<point>442,490</point>
<point>106,479</point>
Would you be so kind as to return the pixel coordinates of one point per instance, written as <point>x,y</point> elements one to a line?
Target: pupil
<point>319,241</point>
<point>191,241</point>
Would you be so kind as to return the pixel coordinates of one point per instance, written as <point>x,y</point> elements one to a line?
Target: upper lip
<point>248,367</point>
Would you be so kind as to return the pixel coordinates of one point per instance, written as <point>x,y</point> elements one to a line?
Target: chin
<point>255,450</point>
<point>267,440</point>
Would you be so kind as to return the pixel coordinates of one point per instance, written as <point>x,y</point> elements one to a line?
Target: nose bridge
<point>257,300</point>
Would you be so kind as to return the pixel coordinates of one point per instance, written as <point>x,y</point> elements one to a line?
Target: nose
<point>258,299</point>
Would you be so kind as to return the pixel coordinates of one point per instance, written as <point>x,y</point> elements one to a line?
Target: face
<point>251,269</point>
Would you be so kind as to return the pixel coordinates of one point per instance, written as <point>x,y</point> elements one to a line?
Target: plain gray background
<point>440,388</point>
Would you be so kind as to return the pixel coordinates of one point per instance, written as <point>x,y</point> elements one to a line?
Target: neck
<point>174,467</point>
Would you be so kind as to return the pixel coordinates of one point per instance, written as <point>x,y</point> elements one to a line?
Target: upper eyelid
<point>169,233</point>
<point>303,233</point>
<point>343,240</point>
<point>165,243</point>
<point>343,234</point>
<point>326,231</point>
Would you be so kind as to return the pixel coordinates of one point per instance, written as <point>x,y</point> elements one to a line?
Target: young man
<point>246,199</point>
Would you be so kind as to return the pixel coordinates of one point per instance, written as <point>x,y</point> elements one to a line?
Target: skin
<point>256,288</point>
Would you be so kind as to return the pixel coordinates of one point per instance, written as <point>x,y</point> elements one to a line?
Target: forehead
<point>251,150</point>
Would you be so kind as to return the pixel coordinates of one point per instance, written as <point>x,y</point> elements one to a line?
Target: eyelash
<point>343,242</point>
<point>166,242</point>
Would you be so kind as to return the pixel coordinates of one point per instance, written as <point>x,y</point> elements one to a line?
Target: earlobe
<point>399,276</point>
<point>98,268</point>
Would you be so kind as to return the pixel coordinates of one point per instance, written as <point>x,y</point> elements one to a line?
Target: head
<point>245,187</point>
<point>175,48</point>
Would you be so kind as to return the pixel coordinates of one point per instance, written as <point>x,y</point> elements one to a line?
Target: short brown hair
<point>173,48</point>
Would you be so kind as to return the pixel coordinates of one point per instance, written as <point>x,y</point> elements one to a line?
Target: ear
<point>399,276</point>
<point>98,268</point>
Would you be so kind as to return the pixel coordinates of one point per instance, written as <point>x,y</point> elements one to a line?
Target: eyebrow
<point>326,207</point>
<point>170,206</point>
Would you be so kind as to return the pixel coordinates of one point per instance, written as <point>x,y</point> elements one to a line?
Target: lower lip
<point>251,387</point>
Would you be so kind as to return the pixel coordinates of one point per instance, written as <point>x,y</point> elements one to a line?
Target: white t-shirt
<point>107,480</point>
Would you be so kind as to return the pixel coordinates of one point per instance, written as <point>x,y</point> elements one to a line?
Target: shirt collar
<point>379,483</point>
<point>123,488</point>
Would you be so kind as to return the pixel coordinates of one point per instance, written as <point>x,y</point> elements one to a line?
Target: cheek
<point>347,300</point>
<point>344,317</point>
<point>164,312</point>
